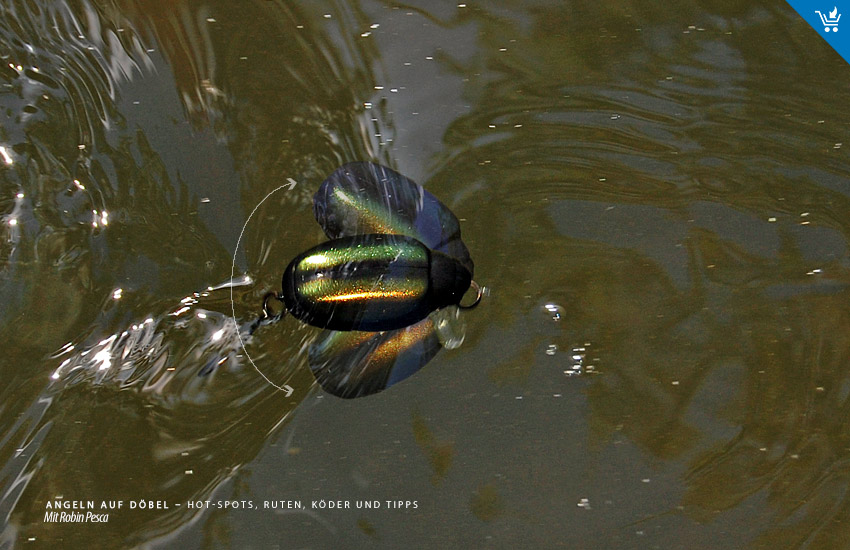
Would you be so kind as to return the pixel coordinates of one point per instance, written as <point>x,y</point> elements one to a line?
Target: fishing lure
<point>395,256</point>
<point>372,283</point>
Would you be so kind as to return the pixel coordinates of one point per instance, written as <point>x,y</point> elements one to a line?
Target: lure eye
<point>371,282</point>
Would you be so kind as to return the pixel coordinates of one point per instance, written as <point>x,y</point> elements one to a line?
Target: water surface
<point>655,196</point>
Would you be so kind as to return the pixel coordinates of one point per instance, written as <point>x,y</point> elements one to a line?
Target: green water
<point>655,196</point>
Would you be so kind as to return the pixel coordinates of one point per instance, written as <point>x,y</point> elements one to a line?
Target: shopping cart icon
<point>830,21</point>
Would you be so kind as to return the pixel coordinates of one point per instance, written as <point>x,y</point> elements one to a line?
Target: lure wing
<point>355,364</point>
<point>364,197</point>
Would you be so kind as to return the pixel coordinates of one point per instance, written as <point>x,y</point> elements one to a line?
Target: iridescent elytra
<point>371,282</point>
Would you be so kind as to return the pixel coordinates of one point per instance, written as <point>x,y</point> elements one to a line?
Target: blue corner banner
<point>830,19</point>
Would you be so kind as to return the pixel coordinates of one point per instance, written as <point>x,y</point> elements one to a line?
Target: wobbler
<point>395,256</point>
<point>371,282</point>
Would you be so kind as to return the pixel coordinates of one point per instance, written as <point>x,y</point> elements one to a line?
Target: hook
<point>479,292</point>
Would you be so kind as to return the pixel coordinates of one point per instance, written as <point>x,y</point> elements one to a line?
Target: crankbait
<point>395,256</point>
<point>371,283</point>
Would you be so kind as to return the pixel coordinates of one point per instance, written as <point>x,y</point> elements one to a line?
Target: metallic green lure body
<point>373,282</point>
<point>395,256</point>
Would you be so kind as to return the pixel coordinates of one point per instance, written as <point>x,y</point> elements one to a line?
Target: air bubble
<point>555,311</point>
<point>450,328</point>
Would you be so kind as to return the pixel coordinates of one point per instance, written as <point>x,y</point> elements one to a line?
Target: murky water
<point>656,197</point>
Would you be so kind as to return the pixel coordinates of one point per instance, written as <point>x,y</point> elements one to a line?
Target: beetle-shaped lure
<point>395,256</point>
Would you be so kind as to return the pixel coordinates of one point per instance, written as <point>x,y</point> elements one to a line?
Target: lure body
<point>395,256</point>
<point>372,282</point>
